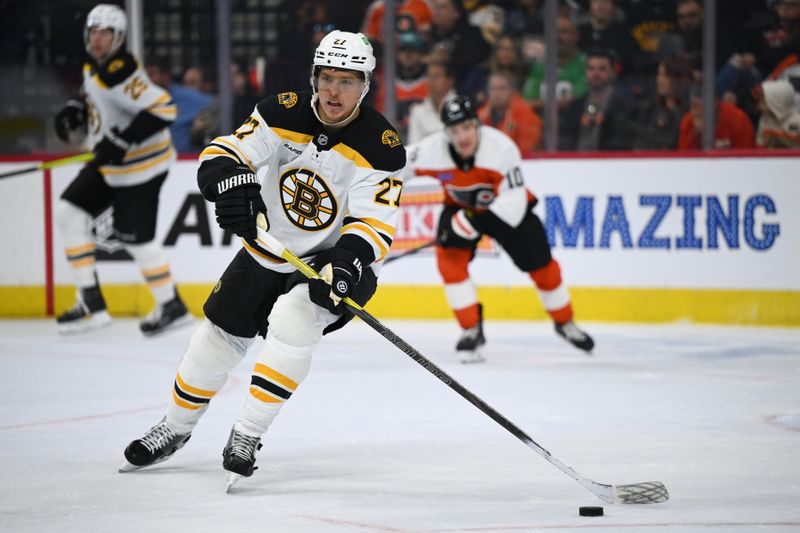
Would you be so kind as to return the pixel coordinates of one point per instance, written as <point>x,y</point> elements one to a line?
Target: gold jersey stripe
<point>86,261</point>
<point>264,396</point>
<point>194,391</point>
<point>259,254</point>
<point>144,150</point>
<point>138,168</point>
<point>379,225</point>
<point>294,136</point>
<point>82,249</point>
<point>274,375</point>
<point>352,155</point>
<point>235,149</point>
<point>183,403</point>
<point>213,150</point>
<point>156,271</point>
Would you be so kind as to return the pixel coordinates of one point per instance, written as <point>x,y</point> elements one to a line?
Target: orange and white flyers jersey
<point>493,180</point>
<point>116,92</point>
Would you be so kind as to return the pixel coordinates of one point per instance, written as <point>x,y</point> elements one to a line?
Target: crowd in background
<point>629,71</point>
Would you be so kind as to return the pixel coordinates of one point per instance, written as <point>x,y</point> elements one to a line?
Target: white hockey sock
<point>202,373</point>
<point>155,269</point>
<point>79,248</point>
<point>295,328</point>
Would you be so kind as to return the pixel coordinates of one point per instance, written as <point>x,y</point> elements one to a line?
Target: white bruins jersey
<point>115,93</point>
<point>319,185</point>
<point>491,180</point>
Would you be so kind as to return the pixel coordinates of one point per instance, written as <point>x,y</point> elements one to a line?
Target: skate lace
<point>158,436</point>
<point>155,315</point>
<point>244,446</point>
<point>471,333</point>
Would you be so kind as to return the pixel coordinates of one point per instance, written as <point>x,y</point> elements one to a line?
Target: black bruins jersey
<point>319,185</point>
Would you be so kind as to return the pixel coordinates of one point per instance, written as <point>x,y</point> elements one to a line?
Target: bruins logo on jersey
<point>115,65</point>
<point>307,199</point>
<point>287,100</point>
<point>391,138</point>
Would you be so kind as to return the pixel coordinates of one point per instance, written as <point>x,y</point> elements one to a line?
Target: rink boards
<point>706,239</point>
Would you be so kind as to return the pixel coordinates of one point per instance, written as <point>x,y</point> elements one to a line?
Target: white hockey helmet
<point>107,16</point>
<point>345,50</point>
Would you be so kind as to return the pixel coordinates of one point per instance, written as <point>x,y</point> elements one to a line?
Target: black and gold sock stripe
<point>190,397</point>
<point>156,277</point>
<point>81,256</point>
<point>270,386</point>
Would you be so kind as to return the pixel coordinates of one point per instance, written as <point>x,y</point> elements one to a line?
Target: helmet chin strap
<point>344,121</point>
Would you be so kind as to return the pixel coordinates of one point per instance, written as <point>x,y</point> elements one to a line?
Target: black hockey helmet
<point>457,110</point>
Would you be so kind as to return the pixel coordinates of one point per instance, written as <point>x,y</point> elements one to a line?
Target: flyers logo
<point>390,138</point>
<point>307,199</point>
<point>287,100</point>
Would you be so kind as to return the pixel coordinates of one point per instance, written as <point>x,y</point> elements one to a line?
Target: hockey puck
<point>590,511</point>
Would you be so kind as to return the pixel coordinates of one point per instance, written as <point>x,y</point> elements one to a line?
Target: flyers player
<point>485,193</point>
<point>127,119</point>
<point>326,171</point>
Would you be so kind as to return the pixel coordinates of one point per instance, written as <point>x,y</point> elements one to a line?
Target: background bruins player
<point>485,193</point>
<point>127,118</point>
<point>328,179</point>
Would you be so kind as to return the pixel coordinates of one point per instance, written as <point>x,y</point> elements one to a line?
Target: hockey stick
<point>80,158</point>
<point>647,492</point>
<point>411,251</point>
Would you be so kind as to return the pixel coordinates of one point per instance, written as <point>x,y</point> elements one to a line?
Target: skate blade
<point>185,320</point>
<point>96,321</point>
<point>128,467</point>
<point>471,357</point>
<point>231,478</point>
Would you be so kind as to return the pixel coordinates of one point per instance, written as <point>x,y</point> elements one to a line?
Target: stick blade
<point>641,493</point>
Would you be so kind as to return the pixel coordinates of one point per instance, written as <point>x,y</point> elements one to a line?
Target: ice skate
<point>88,313</point>
<point>575,336</point>
<point>469,345</point>
<point>164,317</point>
<point>239,457</point>
<point>157,445</point>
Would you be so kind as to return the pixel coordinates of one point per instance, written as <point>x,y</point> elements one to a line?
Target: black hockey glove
<point>238,202</point>
<point>457,228</point>
<point>341,276</point>
<point>71,117</point>
<point>111,149</point>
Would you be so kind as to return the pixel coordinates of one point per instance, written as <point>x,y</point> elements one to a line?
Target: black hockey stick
<point>80,158</point>
<point>411,251</point>
<point>647,492</point>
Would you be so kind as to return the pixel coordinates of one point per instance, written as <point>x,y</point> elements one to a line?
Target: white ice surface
<point>373,442</point>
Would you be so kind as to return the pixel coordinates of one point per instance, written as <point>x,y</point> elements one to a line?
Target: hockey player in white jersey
<point>326,171</point>
<point>126,117</point>
<point>485,193</point>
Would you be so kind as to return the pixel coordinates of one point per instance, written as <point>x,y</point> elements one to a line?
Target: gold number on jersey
<point>135,87</point>
<point>247,128</point>
<point>389,184</point>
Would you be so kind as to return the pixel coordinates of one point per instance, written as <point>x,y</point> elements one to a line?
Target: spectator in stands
<point>603,31</point>
<point>657,120</point>
<point>734,129</point>
<point>600,120</point>
<point>506,57</point>
<point>525,19</point>
<point>451,31</point>
<point>686,39</point>
<point>782,39</point>
<point>779,125</point>
<point>571,70</point>
<point>648,21</point>
<point>194,78</point>
<point>411,83</point>
<point>506,110</point>
<point>417,10</point>
<point>190,103</point>
<point>206,125</point>
<point>424,118</point>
